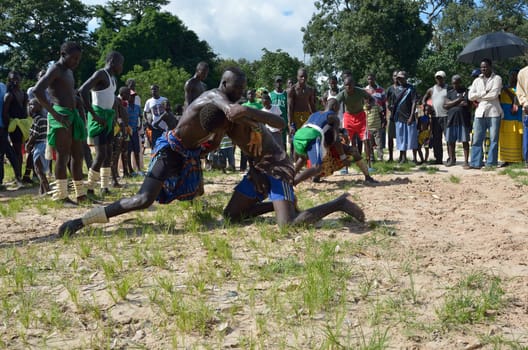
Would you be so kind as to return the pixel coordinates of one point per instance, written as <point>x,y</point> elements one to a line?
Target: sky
<point>242,28</point>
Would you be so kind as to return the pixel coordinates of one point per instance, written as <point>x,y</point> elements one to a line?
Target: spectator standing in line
<point>279,97</point>
<point>437,93</point>
<point>486,90</point>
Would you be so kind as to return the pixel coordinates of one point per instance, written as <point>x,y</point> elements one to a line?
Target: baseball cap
<point>475,72</point>
<point>277,78</point>
<point>440,73</point>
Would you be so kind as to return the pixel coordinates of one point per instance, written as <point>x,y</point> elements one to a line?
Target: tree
<point>275,63</point>
<point>366,36</point>
<point>460,22</point>
<point>170,79</point>
<point>159,35</point>
<point>220,65</point>
<point>33,31</point>
<point>136,9</point>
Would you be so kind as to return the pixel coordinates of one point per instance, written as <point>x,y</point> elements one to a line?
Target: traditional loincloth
<point>94,128</point>
<point>77,124</point>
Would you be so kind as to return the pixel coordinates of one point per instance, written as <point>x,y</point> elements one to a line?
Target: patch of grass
<point>517,172</point>
<point>324,279</point>
<point>476,297</point>
<point>217,248</point>
<point>454,179</point>
<point>429,169</point>
<point>500,342</point>
<point>289,266</point>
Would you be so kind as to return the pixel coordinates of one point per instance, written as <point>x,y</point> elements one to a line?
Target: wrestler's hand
<point>235,111</point>
<point>255,143</point>
<point>63,119</point>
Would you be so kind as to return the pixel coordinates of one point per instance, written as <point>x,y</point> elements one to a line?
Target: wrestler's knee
<point>141,201</point>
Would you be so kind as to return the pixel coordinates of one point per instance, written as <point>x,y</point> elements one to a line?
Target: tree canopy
<point>365,36</point>
<point>163,73</point>
<point>33,31</point>
<point>159,35</point>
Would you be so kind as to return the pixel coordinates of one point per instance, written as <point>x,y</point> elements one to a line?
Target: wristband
<point>343,157</point>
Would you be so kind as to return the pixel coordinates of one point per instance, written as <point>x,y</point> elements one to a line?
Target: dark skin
<point>131,99</point>
<point>15,95</point>
<point>390,140</point>
<point>463,102</point>
<point>100,81</point>
<point>192,135</point>
<point>241,206</point>
<point>61,87</point>
<point>34,108</point>
<point>301,98</point>
<point>315,170</point>
<point>194,87</point>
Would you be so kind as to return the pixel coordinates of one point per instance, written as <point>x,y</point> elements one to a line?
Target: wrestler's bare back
<point>189,128</point>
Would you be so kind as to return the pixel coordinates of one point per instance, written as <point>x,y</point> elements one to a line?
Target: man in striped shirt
<point>36,143</point>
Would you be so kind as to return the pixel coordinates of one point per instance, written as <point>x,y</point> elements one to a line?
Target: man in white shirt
<point>486,90</point>
<point>154,108</point>
<point>268,107</point>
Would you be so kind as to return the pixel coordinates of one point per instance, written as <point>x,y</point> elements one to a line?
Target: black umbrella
<point>495,46</point>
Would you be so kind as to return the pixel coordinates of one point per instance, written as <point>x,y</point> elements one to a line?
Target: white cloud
<point>242,28</point>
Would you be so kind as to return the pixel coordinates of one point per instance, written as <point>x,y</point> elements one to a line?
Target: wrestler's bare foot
<point>351,208</point>
<point>70,227</point>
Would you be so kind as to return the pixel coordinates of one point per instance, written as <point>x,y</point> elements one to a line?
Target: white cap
<point>440,73</point>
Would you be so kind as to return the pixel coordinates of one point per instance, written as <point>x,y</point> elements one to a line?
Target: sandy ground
<point>478,223</point>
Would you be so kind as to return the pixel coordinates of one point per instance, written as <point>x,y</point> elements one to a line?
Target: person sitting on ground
<point>36,144</point>
<point>175,170</point>
<point>314,140</point>
<point>271,175</point>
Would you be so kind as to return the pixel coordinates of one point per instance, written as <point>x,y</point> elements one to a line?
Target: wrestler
<point>271,175</point>
<point>319,141</point>
<point>101,113</point>
<point>67,129</point>
<point>175,169</point>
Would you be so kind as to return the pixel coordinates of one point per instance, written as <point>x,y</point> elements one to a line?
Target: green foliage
<point>461,21</point>
<point>366,36</point>
<point>33,31</point>
<point>247,67</point>
<point>275,63</point>
<point>135,9</point>
<point>170,79</point>
<point>471,300</point>
<point>158,36</point>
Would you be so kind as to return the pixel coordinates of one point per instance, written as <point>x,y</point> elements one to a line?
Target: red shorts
<point>356,124</point>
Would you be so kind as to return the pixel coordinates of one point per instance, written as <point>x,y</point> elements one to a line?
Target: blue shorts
<point>314,152</point>
<point>278,191</point>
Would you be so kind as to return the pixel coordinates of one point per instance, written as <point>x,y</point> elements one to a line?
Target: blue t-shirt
<point>133,116</point>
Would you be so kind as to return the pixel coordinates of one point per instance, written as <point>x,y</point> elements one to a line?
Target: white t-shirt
<point>155,107</point>
<point>275,110</point>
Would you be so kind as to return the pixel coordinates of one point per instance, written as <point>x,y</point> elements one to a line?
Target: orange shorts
<point>356,124</point>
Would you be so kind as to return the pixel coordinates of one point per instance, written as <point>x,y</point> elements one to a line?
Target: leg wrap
<point>61,189</point>
<point>79,188</point>
<point>95,215</point>
<point>93,178</point>
<point>106,177</point>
